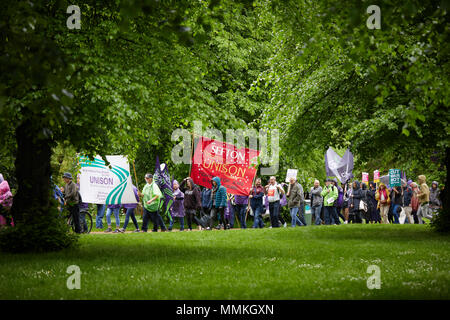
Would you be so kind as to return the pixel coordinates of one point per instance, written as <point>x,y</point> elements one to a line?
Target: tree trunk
<point>32,172</point>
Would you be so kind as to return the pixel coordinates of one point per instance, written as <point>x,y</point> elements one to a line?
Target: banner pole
<point>137,186</point>
<point>192,152</point>
<point>248,204</point>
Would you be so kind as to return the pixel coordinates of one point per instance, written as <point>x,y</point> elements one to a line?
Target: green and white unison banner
<point>102,185</point>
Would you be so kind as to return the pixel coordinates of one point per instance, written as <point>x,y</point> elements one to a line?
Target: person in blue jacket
<point>218,203</point>
<point>206,201</point>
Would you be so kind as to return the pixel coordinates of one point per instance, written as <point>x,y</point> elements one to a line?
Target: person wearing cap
<point>151,199</point>
<point>435,202</point>
<point>329,194</point>
<point>71,200</point>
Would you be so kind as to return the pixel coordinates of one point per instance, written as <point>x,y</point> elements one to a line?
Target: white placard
<point>101,185</point>
<point>291,173</point>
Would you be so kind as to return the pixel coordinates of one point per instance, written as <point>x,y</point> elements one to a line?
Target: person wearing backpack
<point>71,200</point>
<point>329,194</point>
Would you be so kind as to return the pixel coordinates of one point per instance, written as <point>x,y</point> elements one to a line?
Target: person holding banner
<point>256,203</point>
<point>130,212</point>
<point>274,192</point>
<point>113,208</point>
<point>219,202</point>
<point>151,200</point>
<point>241,204</point>
<point>192,200</point>
<point>295,195</point>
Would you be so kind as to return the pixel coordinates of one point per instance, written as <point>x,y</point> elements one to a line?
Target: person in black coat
<point>372,203</point>
<point>355,198</point>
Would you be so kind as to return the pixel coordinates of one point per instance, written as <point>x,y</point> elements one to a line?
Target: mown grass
<point>325,262</point>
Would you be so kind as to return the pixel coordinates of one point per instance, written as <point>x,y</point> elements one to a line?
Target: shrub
<point>40,231</point>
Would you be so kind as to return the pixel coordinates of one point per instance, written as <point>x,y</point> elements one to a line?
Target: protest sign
<point>233,166</point>
<point>291,173</point>
<point>101,185</point>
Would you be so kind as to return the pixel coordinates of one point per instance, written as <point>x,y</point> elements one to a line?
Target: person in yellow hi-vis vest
<point>152,202</point>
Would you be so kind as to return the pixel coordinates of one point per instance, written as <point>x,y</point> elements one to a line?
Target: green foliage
<point>43,231</point>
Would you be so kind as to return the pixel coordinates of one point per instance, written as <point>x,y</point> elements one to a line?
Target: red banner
<point>233,166</point>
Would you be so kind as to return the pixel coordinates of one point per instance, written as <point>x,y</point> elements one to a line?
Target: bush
<point>38,232</point>
<point>441,222</point>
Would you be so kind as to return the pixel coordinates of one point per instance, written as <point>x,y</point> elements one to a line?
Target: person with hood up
<point>256,203</point>
<point>192,200</point>
<point>424,200</point>
<point>355,199</point>
<point>218,202</point>
<point>177,208</point>
<point>384,201</point>
<point>435,202</point>
<point>6,201</point>
<point>206,201</point>
<point>330,194</point>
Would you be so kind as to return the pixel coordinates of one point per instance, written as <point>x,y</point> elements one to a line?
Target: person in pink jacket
<point>6,201</point>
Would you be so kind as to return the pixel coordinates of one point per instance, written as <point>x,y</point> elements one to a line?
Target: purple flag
<point>162,179</point>
<point>339,167</point>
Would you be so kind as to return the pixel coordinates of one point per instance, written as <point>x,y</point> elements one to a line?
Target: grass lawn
<point>325,262</point>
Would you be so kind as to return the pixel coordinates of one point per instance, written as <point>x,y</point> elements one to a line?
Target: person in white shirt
<point>273,191</point>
